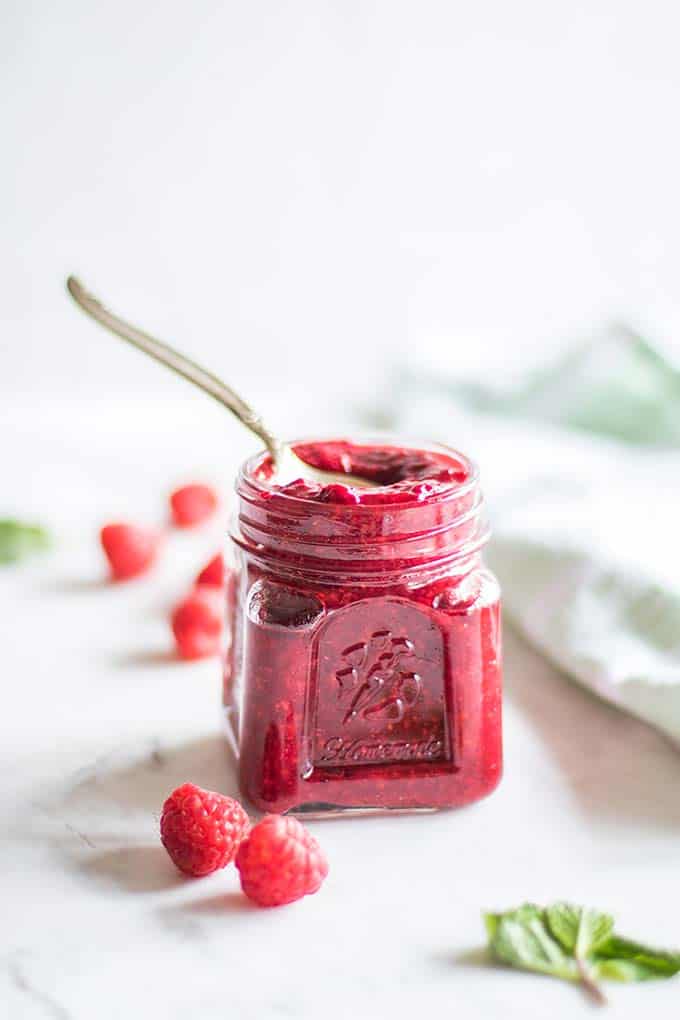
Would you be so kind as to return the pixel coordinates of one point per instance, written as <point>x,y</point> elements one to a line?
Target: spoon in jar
<point>287,465</point>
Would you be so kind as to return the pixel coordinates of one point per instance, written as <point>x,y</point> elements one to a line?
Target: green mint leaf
<point>579,930</point>
<point>642,963</point>
<point>19,540</point>
<point>520,938</point>
<point>623,970</point>
<point>575,944</point>
<point>527,912</point>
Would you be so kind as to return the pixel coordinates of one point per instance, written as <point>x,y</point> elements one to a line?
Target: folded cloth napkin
<point>585,535</point>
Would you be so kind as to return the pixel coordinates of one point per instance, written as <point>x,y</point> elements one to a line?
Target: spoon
<point>287,465</point>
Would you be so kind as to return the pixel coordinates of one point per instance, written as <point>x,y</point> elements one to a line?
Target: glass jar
<point>364,669</point>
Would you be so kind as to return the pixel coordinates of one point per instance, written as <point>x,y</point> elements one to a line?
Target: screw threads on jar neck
<point>364,544</point>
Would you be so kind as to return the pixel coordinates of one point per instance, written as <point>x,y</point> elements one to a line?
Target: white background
<point>301,194</point>
<point>303,189</point>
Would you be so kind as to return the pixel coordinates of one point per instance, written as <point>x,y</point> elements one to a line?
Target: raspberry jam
<point>364,664</point>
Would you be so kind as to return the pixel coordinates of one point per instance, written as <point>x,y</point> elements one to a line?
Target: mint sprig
<point>19,540</point>
<point>575,944</point>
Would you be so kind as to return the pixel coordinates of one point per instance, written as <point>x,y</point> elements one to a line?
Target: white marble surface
<point>100,723</point>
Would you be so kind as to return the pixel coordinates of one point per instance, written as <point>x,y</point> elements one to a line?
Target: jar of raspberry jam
<point>364,666</point>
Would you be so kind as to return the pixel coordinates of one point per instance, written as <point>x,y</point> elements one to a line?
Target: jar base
<point>320,810</point>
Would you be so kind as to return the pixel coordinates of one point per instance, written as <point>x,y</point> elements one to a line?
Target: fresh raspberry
<point>130,550</point>
<point>280,862</point>
<point>213,572</point>
<point>197,623</point>
<point>202,830</point>
<point>192,504</point>
<point>338,493</point>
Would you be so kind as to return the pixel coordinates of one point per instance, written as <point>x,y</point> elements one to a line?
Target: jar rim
<point>247,473</point>
<point>376,540</point>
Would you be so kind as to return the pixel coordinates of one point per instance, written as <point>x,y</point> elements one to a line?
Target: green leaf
<point>641,960</point>
<point>623,970</point>
<point>575,944</point>
<point>579,930</point>
<point>520,938</point>
<point>525,913</point>
<point>19,540</point>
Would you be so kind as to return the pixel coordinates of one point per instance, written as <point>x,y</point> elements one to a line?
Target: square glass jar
<point>363,668</point>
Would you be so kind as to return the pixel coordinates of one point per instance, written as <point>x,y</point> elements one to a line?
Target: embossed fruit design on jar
<point>364,665</point>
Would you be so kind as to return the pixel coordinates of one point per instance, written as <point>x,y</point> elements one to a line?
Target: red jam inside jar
<point>364,666</point>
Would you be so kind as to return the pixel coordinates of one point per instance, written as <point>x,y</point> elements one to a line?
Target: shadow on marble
<point>617,766</point>
<point>233,902</point>
<point>118,799</point>
<point>74,585</point>
<point>134,869</point>
<point>149,657</point>
<point>140,782</point>
<point>477,956</point>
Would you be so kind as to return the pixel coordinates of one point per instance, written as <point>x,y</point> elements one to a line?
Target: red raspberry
<point>202,830</point>
<point>130,550</point>
<point>213,572</point>
<point>192,504</point>
<point>197,623</point>
<point>280,862</point>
